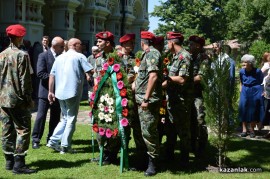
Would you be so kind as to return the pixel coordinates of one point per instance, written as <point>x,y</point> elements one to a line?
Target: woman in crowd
<point>251,108</point>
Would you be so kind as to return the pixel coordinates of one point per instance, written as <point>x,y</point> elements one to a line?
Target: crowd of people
<point>156,92</point>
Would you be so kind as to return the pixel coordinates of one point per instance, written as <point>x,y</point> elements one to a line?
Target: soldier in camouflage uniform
<point>92,60</point>
<point>128,62</point>
<point>199,135</point>
<point>148,92</point>
<point>105,44</point>
<point>15,97</point>
<point>179,85</point>
<point>165,126</point>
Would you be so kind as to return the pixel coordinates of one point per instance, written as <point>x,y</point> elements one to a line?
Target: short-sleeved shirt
<point>266,84</point>
<point>150,62</point>
<point>69,71</point>
<point>181,66</point>
<point>15,78</point>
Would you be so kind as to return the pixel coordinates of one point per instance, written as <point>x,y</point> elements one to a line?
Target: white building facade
<point>75,18</point>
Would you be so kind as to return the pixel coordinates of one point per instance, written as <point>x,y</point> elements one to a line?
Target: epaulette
<point>147,50</point>
<point>120,54</point>
<point>180,57</point>
<point>98,55</point>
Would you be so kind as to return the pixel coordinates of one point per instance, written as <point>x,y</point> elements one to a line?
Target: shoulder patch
<point>180,57</point>
<point>98,55</point>
<point>153,60</point>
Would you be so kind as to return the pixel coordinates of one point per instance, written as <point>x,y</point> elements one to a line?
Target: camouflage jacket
<point>92,60</point>
<point>201,63</point>
<point>128,62</point>
<point>150,61</point>
<point>100,60</point>
<point>182,65</point>
<point>15,78</point>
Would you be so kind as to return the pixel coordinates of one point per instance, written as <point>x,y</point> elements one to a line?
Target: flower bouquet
<point>111,99</point>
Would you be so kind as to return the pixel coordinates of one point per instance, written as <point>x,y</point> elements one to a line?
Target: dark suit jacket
<point>44,66</point>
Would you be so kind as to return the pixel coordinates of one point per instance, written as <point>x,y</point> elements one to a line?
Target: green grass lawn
<point>50,164</point>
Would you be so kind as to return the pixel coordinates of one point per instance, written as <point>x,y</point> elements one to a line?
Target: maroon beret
<point>147,35</point>
<point>126,38</point>
<point>105,36</point>
<point>159,39</point>
<point>197,39</point>
<point>175,35</point>
<point>16,30</point>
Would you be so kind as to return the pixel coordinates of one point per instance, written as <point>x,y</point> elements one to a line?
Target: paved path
<point>83,117</point>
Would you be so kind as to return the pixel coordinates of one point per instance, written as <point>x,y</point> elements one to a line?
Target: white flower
<point>111,109</point>
<point>89,93</point>
<point>136,69</point>
<point>102,98</point>
<point>106,97</point>
<point>101,116</point>
<point>109,118</point>
<point>106,117</point>
<point>101,107</point>
<point>110,101</point>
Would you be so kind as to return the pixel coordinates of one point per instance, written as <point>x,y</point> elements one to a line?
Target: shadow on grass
<point>257,155</point>
<point>53,164</point>
<point>85,146</point>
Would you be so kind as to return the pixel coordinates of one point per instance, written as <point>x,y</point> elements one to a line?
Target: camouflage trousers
<point>179,110</point>
<point>149,122</point>
<point>16,130</point>
<point>199,135</point>
<point>137,132</point>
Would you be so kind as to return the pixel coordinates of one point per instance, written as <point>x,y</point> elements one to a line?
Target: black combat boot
<point>184,159</point>
<point>9,161</point>
<point>151,170</point>
<point>20,167</point>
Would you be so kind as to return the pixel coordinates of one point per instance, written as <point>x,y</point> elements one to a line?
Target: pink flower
<point>98,79</point>
<point>101,131</point>
<point>124,122</point>
<point>120,84</point>
<point>106,109</point>
<point>116,67</point>
<point>105,66</point>
<point>109,133</point>
<point>124,102</point>
<point>92,96</point>
<point>90,114</point>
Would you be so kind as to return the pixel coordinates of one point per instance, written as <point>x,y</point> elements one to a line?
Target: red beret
<point>126,38</point>
<point>159,39</point>
<point>175,35</point>
<point>105,36</point>
<point>197,39</point>
<point>16,30</point>
<point>147,35</point>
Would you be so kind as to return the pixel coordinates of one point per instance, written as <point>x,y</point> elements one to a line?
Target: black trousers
<point>55,111</point>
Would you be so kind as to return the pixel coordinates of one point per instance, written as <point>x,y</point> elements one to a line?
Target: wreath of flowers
<point>103,99</point>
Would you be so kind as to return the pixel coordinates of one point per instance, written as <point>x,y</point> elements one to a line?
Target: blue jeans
<point>66,127</point>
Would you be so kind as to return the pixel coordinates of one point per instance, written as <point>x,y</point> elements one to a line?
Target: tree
<point>218,96</point>
<point>191,17</point>
<point>246,20</point>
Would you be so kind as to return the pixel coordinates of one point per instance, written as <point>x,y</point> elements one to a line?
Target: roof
<point>232,43</point>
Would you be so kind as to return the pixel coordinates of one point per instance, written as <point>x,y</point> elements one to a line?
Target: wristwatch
<point>146,100</point>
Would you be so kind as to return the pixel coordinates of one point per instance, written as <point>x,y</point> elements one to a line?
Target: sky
<point>153,20</point>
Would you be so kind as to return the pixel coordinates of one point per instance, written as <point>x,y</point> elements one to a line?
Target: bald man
<point>44,66</point>
<point>67,77</point>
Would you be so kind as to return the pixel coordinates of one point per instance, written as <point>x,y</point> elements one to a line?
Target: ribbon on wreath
<point>118,98</point>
